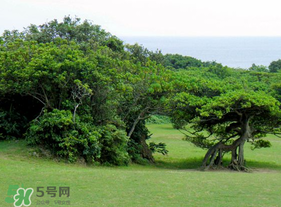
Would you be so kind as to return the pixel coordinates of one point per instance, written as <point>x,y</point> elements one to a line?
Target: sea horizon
<point>232,51</point>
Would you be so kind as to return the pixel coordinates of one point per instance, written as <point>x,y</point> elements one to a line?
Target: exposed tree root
<point>214,156</point>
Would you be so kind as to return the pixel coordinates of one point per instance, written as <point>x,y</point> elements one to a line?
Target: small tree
<point>275,66</point>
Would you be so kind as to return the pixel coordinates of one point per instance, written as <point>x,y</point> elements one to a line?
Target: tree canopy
<point>222,114</point>
<point>275,66</point>
<point>74,89</point>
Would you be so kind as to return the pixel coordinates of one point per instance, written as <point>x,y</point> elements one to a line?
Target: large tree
<point>79,91</point>
<point>221,119</point>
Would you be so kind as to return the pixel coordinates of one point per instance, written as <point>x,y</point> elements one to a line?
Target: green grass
<point>173,181</point>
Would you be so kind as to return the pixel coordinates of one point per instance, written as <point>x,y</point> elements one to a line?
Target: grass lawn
<point>173,181</point>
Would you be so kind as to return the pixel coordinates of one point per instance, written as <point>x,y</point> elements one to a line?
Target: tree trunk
<point>237,159</point>
<point>247,133</point>
<point>133,127</point>
<point>212,159</point>
<point>241,161</point>
<point>218,160</point>
<point>146,152</point>
<point>239,145</point>
<point>234,156</point>
<point>209,153</point>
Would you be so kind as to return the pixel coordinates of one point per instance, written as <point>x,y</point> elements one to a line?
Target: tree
<point>140,54</point>
<point>258,68</point>
<point>224,122</point>
<point>144,91</point>
<point>275,66</point>
<point>70,29</point>
<point>80,93</point>
<point>177,61</point>
<point>50,81</point>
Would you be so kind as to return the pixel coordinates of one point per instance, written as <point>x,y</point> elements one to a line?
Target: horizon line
<point>197,36</point>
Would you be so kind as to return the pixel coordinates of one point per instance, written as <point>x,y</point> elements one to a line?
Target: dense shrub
<point>113,144</point>
<point>57,132</point>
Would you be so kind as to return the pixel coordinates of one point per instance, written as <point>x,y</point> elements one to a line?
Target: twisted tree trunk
<point>214,155</point>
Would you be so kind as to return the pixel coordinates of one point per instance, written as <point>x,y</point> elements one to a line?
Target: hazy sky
<point>153,17</point>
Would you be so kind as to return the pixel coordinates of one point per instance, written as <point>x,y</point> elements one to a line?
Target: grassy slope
<point>173,181</point>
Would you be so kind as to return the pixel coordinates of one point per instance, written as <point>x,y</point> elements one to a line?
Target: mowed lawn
<point>173,181</point>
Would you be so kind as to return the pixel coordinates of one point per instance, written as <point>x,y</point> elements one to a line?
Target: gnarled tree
<point>225,122</point>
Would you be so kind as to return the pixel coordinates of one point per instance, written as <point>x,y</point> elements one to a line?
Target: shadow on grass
<point>182,164</point>
<point>195,164</point>
<point>258,165</point>
<point>263,165</point>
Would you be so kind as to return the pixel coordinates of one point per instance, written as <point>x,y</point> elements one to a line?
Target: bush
<point>57,132</point>
<point>160,148</point>
<point>113,144</point>
<point>134,149</point>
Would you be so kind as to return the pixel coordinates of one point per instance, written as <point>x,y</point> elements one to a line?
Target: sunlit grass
<point>173,181</point>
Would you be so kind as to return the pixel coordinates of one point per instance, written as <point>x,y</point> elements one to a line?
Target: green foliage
<point>210,109</point>
<point>260,143</point>
<point>57,132</point>
<point>134,150</point>
<point>177,61</point>
<point>220,71</point>
<point>275,66</point>
<point>160,148</point>
<point>113,144</point>
<point>136,144</point>
<point>115,44</point>
<point>258,68</point>
<point>78,68</point>
<point>140,54</point>
<point>255,103</point>
<point>69,29</point>
<point>275,90</point>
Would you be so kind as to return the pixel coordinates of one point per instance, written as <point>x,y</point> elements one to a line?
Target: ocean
<point>236,52</point>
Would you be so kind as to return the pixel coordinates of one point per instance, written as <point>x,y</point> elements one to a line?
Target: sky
<point>152,17</point>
